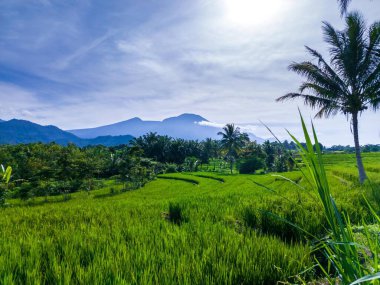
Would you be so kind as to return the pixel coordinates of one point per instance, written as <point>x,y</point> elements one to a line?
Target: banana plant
<point>6,172</point>
<point>5,176</point>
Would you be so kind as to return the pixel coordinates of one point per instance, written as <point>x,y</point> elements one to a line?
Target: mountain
<point>22,131</point>
<point>185,126</point>
<point>107,140</point>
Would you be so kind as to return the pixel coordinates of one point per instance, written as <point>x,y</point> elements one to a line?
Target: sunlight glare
<point>252,13</point>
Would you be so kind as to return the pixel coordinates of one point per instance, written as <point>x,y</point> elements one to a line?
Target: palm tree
<point>343,6</point>
<point>232,141</point>
<point>350,83</point>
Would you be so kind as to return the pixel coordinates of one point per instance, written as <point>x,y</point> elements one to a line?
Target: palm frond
<point>327,69</point>
<point>343,5</point>
<point>315,74</point>
<point>333,37</point>
<point>326,105</point>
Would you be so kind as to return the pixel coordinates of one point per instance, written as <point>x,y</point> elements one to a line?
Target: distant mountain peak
<point>184,126</point>
<point>186,117</point>
<point>137,119</point>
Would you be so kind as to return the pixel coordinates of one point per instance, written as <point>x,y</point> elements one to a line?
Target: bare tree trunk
<point>359,162</point>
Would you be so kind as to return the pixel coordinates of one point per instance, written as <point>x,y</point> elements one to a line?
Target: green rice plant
<point>175,213</point>
<point>250,217</point>
<point>123,239</point>
<point>353,261</point>
<point>221,180</point>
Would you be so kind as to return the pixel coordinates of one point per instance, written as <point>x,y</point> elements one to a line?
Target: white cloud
<point>173,61</point>
<point>211,124</point>
<point>17,102</point>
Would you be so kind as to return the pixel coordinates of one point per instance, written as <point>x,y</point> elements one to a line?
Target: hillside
<point>21,131</point>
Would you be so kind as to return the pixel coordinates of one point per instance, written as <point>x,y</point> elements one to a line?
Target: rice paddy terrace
<point>193,228</point>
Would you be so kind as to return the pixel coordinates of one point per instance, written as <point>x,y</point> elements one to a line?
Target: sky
<point>82,63</point>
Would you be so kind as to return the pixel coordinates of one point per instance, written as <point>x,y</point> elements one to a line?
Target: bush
<point>249,166</point>
<point>171,168</point>
<point>24,192</point>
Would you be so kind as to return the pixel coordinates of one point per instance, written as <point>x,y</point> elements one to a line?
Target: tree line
<point>51,169</point>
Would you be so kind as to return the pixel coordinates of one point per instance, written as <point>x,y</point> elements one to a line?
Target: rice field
<point>194,228</point>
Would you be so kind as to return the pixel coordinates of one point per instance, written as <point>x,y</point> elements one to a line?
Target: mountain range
<point>185,126</point>
<point>20,131</point>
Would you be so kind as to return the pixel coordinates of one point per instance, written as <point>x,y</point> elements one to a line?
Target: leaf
<point>7,174</point>
<point>367,278</point>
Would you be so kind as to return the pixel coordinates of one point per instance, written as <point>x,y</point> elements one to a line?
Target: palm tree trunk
<point>359,162</point>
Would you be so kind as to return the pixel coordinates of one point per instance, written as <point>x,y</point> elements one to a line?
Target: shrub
<point>249,166</point>
<point>171,168</point>
<point>24,192</point>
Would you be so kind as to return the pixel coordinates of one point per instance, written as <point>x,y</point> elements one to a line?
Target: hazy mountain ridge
<point>185,126</point>
<point>21,131</point>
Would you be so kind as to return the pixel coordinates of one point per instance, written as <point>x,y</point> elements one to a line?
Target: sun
<point>252,13</point>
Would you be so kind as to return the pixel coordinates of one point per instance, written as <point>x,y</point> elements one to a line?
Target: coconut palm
<point>350,83</point>
<point>343,6</point>
<point>232,141</point>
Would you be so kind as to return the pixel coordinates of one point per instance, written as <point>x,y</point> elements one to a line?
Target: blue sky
<point>78,64</point>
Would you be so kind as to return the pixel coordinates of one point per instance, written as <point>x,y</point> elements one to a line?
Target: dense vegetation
<point>52,169</point>
<point>174,231</point>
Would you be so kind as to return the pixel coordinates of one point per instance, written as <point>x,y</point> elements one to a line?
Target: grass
<point>350,260</point>
<point>221,232</point>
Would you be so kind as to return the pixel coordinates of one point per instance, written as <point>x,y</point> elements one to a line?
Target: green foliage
<point>232,140</point>
<point>5,177</point>
<point>171,168</point>
<point>250,165</point>
<point>7,172</point>
<point>190,164</point>
<point>353,260</point>
<point>176,213</point>
<point>281,163</point>
<point>226,236</point>
<point>165,149</point>
<point>51,169</point>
